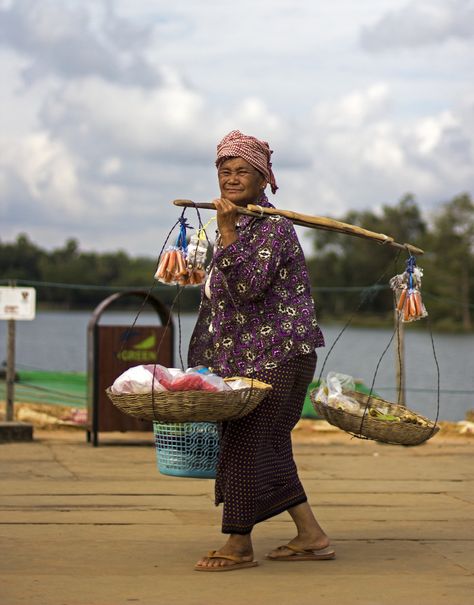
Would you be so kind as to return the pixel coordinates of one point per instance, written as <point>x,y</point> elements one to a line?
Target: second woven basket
<point>410,428</point>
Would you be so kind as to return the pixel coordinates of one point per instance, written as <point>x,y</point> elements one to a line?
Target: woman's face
<point>240,182</point>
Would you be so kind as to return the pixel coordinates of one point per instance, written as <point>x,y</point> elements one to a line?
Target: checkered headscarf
<point>255,152</point>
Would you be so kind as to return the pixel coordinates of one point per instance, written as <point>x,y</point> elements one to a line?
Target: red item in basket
<point>191,380</point>
<point>161,374</point>
<point>207,386</point>
<point>186,382</point>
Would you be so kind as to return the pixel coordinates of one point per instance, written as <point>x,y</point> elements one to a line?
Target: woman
<point>257,319</point>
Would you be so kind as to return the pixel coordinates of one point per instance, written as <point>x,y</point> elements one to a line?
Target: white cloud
<point>429,131</point>
<point>421,23</point>
<point>61,39</point>
<point>46,170</point>
<point>354,109</point>
<point>362,150</point>
<point>130,119</point>
<point>95,148</point>
<point>118,170</point>
<point>111,166</point>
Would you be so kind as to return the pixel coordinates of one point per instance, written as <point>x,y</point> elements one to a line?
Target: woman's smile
<point>239,181</point>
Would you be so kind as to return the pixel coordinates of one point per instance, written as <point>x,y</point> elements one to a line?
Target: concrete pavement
<point>100,526</point>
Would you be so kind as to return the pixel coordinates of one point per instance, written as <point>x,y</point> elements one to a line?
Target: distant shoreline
<point>359,321</point>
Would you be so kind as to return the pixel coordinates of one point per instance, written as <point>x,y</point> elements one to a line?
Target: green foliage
<point>449,273</point>
<point>21,260</point>
<point>448,284</point>
<point>75,279</point>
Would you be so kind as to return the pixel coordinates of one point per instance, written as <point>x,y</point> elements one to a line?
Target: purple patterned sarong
<point>256,473</point>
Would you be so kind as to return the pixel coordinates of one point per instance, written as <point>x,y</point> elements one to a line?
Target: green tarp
<point>52,388</point>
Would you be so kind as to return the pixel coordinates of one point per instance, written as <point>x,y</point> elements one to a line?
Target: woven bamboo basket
<point>193,406</point>
<point>411,429</point>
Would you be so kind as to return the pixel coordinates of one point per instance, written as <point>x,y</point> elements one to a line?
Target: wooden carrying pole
<point>305,220</point>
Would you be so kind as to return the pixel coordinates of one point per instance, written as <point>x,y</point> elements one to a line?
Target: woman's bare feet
<point>310,535</point>
<point>239,547</point>
<point>299,543</point>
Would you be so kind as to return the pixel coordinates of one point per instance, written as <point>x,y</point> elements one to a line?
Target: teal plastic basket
<point>187,449</point>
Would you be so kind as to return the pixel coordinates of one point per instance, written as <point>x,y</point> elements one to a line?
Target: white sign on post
<point>17,303</point>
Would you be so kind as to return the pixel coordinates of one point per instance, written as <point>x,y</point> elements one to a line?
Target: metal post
<point>10,370</point>
<point>400,359</point>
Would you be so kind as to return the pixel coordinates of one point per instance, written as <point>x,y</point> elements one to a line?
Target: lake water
<point>58,341</point>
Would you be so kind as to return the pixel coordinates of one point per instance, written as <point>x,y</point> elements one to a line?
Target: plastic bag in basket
<point>332,393</point>
<point>141,379</point>
<point>137,380</point>
<point>209,381</point>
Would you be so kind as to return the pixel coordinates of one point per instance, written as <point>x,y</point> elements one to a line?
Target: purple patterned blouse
<point>261,312</point>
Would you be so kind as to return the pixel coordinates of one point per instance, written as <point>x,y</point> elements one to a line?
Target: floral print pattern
<point>261,312</point>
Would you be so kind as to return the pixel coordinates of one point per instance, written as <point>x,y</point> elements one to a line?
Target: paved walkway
<point>85,526</point>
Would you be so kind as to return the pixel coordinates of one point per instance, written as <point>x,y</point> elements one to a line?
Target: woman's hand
<point>226,221</point>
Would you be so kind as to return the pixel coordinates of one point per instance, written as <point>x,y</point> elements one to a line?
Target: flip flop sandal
<point>303,554</point>
<point>238,562</point>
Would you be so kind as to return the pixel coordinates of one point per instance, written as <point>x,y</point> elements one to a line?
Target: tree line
<point>448,262</point>
<point>67,277</point>
<point>342,267</point>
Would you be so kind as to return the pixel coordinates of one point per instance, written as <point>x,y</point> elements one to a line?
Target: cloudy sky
<point>113,108</point>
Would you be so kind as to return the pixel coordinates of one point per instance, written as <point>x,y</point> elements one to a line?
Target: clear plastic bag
<point>184,263</point>
<point>137,380</point>
<point>213,382</point>
<point>141,379</point>
<point>332,392</point>
<point>196,258</point>
<point>196,255</point>
<point>198,378</point>
<point>210,381</point>
<point>237,384</point>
